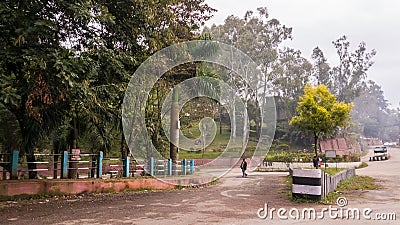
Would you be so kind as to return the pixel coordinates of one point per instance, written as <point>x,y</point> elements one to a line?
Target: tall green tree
<point>320,114</point>
<point>292,73</point>
<point>259,36</point>
<point>349,76</point>
<point>136,30</point>
<point>321,68</point>
<point>33,40</point>
<point>71,60</point>
<point>372,116</point>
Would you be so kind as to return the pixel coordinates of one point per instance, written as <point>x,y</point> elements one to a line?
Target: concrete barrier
<point>330,183</point>
<point>315,184</point>
<point>307,184</point>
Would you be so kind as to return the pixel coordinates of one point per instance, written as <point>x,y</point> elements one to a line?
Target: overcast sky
<point>319,22</point>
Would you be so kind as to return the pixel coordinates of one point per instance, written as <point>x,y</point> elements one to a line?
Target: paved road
<point>383,202</point>
<point>387,173</point>
<point>234,200</point>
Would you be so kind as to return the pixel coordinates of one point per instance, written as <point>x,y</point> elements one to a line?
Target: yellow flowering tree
<point>320,114</point>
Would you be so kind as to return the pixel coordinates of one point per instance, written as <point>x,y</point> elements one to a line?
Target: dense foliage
<point>320,114</point>
<point>66,63</point>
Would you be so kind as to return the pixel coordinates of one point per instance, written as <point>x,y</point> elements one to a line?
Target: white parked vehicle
<point>380,153</point>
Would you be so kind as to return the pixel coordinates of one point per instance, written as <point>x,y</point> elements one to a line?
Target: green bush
<point>287,156</point>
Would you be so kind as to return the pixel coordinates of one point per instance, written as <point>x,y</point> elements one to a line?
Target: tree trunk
<point>315,144</point>
<point>263,105</point>
<point>73,166</point>
<point>233,122</point>
<point>28,148</point>
<point>174,131</point>
<point>203,131</point>
<point>55,165</point>
<point>57,146</point>
<point>122,149</point>
<point>124,152</point>
<point>245,130</point>
<point>31,160</point>
<point>232,96</point>
<point>245,118</point>
<point>220,119</point>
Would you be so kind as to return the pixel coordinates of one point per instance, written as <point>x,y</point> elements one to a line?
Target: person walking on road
<point>243,166</point>
<point>315,162</point>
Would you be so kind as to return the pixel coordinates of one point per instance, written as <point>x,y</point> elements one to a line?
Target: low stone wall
<point>330,183</point>
<point>57,187</point>
<point>282,166</point>
<point>315,183</point>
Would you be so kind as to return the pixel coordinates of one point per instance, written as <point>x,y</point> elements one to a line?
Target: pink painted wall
<point>20,187</point>
<point>339,144</point>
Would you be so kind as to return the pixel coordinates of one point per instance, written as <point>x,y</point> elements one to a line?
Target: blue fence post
<point>184,167</point>
<point>14,165</point>
<point>64,165</point>
<point>100,164</point>
<point>152,166</point>
<point>126,167</point>
<point>191,164</point>
<point>170,167</point>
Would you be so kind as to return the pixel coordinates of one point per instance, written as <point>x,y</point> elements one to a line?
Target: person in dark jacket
<point>315,162</point>
<point>243,166</point>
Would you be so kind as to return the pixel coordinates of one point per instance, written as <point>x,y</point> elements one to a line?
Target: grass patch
<point>180,187</point>
<point>216,147</point>
<point>214,181</point>
<point>364,153</point>
<point>287,190</point>
<point>332,170</point>
<point>356,183</point>
<point>23,197</point>
<point>198,155</point>
<point>362,165</point>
